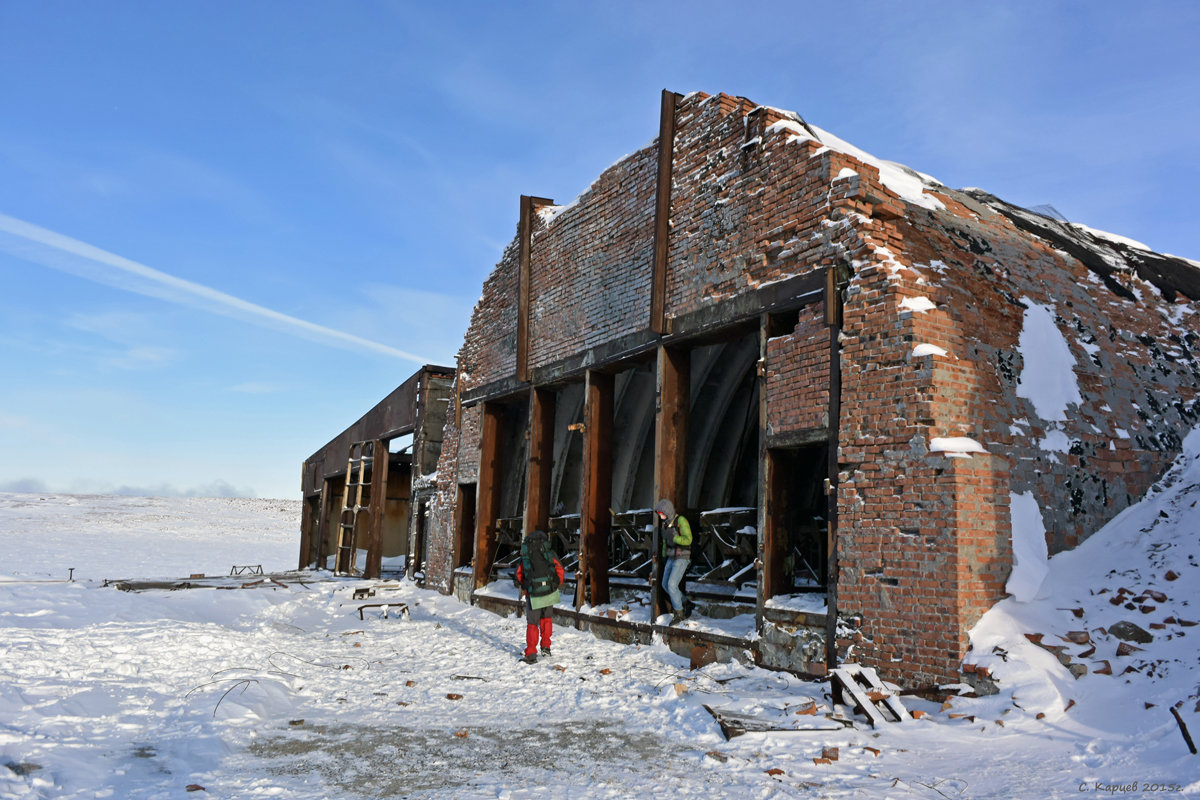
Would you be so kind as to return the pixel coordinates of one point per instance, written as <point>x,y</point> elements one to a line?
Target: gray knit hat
<point>665,506</point>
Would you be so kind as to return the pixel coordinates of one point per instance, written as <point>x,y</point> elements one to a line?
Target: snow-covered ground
<point>282,691</point>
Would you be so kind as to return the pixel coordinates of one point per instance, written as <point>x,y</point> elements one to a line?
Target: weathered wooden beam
<point>528,206</point>
<point>488,510</point>
<point>775,534</point>
<point>670,444</point>
<point>541,459</point>
<point>662,212</point>
<point>596,499</point>
<point>799,438</point>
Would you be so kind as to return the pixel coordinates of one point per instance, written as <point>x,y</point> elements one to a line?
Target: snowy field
<point>279,691</point>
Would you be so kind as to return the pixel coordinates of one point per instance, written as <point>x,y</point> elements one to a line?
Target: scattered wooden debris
<point>735,724</point>
<point>1187,737</point>
<point>453,696</point>
<point>400,608</point>
<point>867,694</point>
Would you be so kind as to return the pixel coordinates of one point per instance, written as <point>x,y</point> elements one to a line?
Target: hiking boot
<point>678,617</point>
<point>529,659</point>
<point>545,651</point>
<point>688,607</point>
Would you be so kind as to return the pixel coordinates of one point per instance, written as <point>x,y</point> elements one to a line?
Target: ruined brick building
<point>825,360</point>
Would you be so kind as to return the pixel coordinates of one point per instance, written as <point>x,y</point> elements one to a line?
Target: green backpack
<point>537,564</point>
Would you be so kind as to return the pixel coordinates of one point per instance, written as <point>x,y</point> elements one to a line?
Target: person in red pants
<point>538,575</point>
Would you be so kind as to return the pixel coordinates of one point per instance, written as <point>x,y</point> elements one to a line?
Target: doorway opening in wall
<point>464,535</point>
<point>566,476</point>
<point>797,538</point>
<point>396,485</point>
<point>420,545</point>
<point>722,467</point>
<point>500,491</point>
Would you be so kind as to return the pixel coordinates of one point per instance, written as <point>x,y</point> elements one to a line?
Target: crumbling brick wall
<point>458,464</point>
<point>489,350</point>
<point>903,507</point>
<point>923,536</point>
<point>591,263</point>
<point>797,387</point>
<point>748,201</point>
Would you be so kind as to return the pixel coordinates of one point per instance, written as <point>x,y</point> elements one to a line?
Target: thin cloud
<point>253,387</point>
<point>78,258</point>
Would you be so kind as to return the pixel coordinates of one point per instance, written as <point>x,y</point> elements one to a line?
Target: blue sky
<point>228,229</point>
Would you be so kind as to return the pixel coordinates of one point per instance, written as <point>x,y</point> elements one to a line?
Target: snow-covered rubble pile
<point>1110,642</point>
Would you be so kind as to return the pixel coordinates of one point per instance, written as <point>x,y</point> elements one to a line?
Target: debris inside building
<point>848,377</point>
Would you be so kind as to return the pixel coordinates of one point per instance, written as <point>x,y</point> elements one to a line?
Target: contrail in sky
<point>104,267</point>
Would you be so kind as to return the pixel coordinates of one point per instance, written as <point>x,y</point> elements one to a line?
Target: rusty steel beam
<point>833,317</point>
<point>670,446</point>
<point>395,415</point>
<point>541,459</point>
<point>322,532</point>
<point>525,292</point>
<point>662,212</point>
<point>596,497</point>
<point>488,510</point>
<point>702,324</point>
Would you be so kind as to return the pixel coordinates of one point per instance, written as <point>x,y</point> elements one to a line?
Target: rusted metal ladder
<point>355,496</point>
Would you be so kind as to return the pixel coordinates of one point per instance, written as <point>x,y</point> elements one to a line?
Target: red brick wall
<point>591,263</point>
<point>797,390</point>
<point>924,538</point>
<point>489,350</point>
<point>457,464</point>
<point>747,204</point>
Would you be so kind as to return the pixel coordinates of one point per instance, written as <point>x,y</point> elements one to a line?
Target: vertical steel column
<point>488,509</point>
<point>322,524</point>
<point>525,291</point>
<point>670,446</point>
<point>833,318</point>
<point>541,459</point>
<point>662,212</point>
<point>307,527</point>
<point>766,481</point>
<point>596,516</point>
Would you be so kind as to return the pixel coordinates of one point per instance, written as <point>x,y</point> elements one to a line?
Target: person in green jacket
<point>677,550</point>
